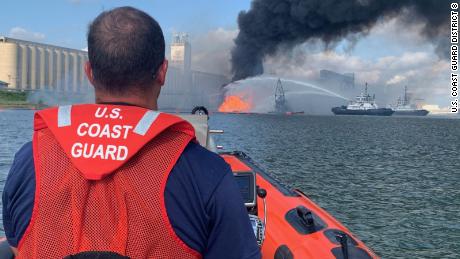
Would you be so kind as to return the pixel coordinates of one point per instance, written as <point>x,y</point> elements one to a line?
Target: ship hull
<point>411,113</point>
<point>369,112</point>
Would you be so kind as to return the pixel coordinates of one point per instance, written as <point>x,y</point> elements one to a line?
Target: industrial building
<point>26,65</point>
<point>181,51</point>
<point>186,88</point>
<point>32,66</point>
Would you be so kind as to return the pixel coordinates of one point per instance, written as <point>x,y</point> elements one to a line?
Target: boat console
<point>247,184</point>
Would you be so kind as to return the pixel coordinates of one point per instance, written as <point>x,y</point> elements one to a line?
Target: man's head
<point>126,50</point>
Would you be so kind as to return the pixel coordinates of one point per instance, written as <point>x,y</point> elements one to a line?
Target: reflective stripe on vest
<point>64,116</point>
<point>117,207</point>
<point>144,124</point>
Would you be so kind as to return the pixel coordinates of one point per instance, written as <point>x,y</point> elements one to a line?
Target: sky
<point>389,57</point>
<point>65,22</point>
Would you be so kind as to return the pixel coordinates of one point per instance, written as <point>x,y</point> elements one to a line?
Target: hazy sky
<point>390,56</point>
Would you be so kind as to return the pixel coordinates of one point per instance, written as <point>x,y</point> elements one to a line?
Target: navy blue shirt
<point>202,200</point>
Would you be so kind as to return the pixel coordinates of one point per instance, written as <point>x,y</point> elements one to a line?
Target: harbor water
<point>393,181</point>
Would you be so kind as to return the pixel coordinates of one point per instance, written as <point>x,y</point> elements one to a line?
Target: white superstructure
<point>403,103</point>
<point>363,102</point>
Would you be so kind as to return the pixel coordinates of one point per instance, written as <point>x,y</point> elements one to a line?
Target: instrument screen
<point>246,184</point>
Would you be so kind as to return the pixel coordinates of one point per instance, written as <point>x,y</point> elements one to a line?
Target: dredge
<point>280,100</point>
<point>281,106</point>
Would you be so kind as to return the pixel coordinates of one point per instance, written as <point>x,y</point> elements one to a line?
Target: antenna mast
<point>406,98</point>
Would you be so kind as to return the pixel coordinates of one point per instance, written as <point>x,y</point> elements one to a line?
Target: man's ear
<point>161,73</point>
<point>89,72</point>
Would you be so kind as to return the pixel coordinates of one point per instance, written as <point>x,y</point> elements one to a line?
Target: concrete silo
<point>9,62</point>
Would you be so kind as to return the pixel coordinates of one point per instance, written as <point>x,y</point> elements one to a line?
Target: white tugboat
<point>364,104</point>
<point>405,108</point>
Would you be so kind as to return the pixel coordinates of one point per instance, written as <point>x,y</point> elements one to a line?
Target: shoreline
<point>27,106</point>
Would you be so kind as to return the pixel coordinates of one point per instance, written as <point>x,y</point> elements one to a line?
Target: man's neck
<point>145,102</point>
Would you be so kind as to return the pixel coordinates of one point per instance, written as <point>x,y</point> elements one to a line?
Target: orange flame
<point>233,103</point>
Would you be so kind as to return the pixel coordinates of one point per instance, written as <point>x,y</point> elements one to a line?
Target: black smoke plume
<point>273,24</point>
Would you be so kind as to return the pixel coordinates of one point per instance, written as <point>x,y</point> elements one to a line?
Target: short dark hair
<point>126,47</point>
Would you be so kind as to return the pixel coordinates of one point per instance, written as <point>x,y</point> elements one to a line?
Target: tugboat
<point>405,108</point>
<point>364,104</point>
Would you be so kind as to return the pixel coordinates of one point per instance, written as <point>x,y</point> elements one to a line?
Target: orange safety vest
<point>100,173</point>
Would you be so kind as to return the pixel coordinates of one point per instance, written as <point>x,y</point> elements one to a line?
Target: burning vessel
<point>364,104</point>
<point>242,103</point>
<point>404,107</point>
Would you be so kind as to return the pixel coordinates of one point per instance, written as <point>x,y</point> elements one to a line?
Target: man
<point>117,178</point>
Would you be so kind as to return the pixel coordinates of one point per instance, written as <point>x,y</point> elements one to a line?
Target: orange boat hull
<point>282,239</point>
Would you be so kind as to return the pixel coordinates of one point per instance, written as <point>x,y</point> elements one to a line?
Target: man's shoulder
<point>22,172</point>
<point>24,152</point>
<point>205,161</point>
<point>18,195</point>
<point>203,156</point>
<point>23,162</point>
<point>202,167</point>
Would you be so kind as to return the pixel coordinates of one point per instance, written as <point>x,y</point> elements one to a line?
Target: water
<point>394,182</point>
